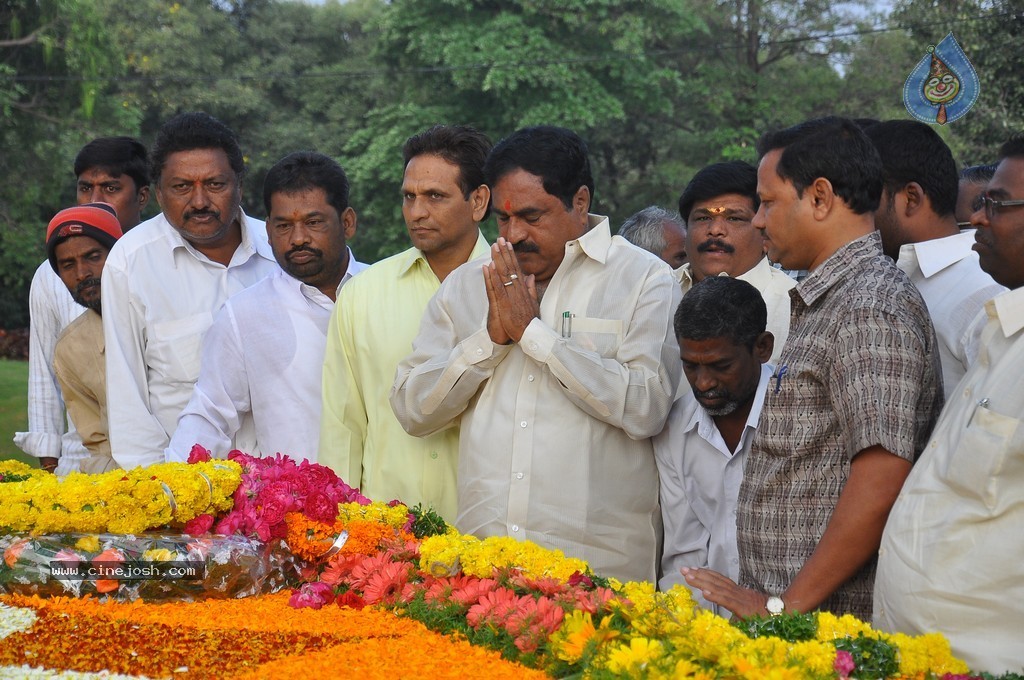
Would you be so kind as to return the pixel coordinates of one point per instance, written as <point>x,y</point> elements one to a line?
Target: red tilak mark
<point>508,206</point>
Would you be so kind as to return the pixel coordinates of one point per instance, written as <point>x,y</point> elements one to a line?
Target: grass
<point>13,407</point>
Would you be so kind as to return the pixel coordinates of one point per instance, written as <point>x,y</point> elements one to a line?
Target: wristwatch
<point>775,605</point>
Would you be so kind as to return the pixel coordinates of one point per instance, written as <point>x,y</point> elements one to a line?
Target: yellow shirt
<point>374,322</point>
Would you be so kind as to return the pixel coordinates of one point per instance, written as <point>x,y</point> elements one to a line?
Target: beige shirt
<point>555,441</point>
<point>952,558</point>
<point>79,366</point>
<point>774,285</point>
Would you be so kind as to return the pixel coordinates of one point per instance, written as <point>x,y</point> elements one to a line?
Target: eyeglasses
<point>992,206</point>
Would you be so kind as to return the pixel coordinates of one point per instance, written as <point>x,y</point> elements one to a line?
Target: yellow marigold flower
<point>159,555</point>
<point>832,627</point>
<point>816,656</point>
<point>926,654</point>
<point>633,658</point>
<point>88,543</point>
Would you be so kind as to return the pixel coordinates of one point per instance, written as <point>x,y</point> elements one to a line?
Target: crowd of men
<point>746,397</point>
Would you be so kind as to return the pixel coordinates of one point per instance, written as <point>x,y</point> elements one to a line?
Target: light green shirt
<point>372,328</point>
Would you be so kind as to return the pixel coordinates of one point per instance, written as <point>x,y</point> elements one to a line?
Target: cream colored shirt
<point>953,285</point>
<point>774,285</point>
<point>79,367</point>
<point>159,298</point>
<point>952,555</point>
<point>370,332</point>
<point>555,441</point>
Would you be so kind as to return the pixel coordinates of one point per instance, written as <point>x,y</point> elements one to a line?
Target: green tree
<point>55,58</point>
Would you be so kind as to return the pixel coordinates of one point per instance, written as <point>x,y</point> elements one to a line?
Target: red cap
<point>97,220</point>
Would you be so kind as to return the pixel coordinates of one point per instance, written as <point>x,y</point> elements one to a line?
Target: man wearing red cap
<point>112,170</point>
<point>77,242</point>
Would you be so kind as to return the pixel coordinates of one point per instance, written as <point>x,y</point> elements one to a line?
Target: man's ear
<point>914,193</point>
<point>143,196</point>
<point>581,202</point>
<point>479,199</point>
<point>764,345</point>
<point>348,222</point>
<point>823,197</point>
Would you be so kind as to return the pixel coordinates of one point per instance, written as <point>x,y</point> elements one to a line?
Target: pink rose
<point>198,455</point>
<point>314,595</point>
<point>844,663</point>
<point>321,508</point>
<point>199,525</point>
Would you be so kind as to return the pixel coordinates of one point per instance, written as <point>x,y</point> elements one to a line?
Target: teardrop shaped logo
<point>943,86</point>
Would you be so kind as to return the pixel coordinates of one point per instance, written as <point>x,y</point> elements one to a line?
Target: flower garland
<point>367,529</point>
<point>451,553</point>
<point>118,501</point>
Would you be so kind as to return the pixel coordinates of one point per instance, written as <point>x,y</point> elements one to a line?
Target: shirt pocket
<point>603,336</point>
<point>175,347</point>
<point>976,468</point>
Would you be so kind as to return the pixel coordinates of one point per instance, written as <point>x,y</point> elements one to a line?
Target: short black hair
<point>460,145</point>
<point>304,170</point>
<point>978,174</point>
<point>912,151</point>
<point>557,155</point>
<point>1013,147</point>
<point>834,148</point>
<point>195,130</point>
<point>731,177</point>
<point>117,156</point>
<point>722,307</point>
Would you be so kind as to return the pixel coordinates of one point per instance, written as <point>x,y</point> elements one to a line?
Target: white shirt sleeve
<point>136,436</point>
<point>220,397</point>
<point>51,308</point>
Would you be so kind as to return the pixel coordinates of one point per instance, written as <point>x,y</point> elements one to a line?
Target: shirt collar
<point>700,418</point>
<point>841,264</point>
<point>1008,308</point>
<point>249,246</point>
<point>935,255</point>
<point>596,241</point>
<point>412,257</point>
<point>759,276</point>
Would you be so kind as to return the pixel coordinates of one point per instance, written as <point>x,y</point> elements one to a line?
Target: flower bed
<point>374,574</point>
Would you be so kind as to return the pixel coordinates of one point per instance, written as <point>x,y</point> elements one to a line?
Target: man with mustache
<point>165,280</point>
<point>77,242</point>
<point>259,382</point>
<point>718,205</point>
<point>951,558</point>
<point>557,359</point>
<point>720,325</point>
<point>111,170</point>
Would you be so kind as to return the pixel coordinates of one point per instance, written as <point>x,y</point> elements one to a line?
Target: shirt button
<point>433,454</point>
<point>479,351</point>
<point>522,424</point>
<point>515,527</point>
<point>519,475</point>
<point>530,378</point>
<point>533,345</point>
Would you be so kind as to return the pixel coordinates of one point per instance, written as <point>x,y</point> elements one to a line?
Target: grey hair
<point>645,228</point>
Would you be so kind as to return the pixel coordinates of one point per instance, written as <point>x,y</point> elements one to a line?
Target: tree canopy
<point>658,88</point>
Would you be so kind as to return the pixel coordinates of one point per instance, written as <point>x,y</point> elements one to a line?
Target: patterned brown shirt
<point>860,369</point>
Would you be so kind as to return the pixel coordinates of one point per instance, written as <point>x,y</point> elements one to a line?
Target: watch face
<point>775,605</point>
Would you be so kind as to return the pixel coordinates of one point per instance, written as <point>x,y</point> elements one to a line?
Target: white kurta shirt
<point>774,286</point>
<point>50,433</point>
<point>260,377</point>
<point>159,298</point>
<point>700,485</point>
<point>953,285</point>
<point>555,429</point>
<point>952,554</point>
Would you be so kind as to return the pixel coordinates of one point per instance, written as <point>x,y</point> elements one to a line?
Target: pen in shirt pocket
<point>567,324</point>
<point>779,375</point>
